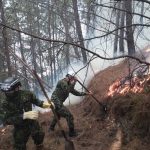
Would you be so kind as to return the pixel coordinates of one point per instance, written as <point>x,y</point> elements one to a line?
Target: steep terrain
<point>97,132</point>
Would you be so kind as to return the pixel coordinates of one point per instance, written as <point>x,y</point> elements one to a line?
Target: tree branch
<point>74,44</point>
<point>122,10</point>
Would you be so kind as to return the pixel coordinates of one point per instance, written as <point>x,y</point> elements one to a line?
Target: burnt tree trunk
<point>26,85</point>
<point>121,40</point>
<point>5,40</point>
<point>79,31</point>
<point>117,31</point>
<point>129,32</point>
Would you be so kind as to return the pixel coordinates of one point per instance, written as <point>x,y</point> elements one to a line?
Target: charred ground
<point>126,126</point>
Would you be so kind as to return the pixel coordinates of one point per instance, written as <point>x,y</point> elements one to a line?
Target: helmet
<point>70,74</point>
<point>10,84</point>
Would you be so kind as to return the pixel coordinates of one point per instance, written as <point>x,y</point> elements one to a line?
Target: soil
<point>95,131</point>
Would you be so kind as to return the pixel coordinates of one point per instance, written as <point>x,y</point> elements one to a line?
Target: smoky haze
<point>84,76</point>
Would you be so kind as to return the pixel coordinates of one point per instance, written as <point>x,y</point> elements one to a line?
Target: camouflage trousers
<point>22,133</point>
<point>65,113</point>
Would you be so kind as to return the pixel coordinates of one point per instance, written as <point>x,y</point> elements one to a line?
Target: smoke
<point>85,76</point>
<point>84,73</point>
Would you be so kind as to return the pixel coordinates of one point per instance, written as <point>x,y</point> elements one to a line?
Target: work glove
<point>31,115</point>
<point>48,105</point>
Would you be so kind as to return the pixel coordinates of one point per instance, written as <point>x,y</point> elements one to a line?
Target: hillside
<point>122,128</point>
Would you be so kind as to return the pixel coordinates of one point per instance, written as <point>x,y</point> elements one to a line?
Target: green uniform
<point>14,107</point>
<point>61,92</point>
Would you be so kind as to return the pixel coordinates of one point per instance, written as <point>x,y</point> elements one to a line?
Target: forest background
<point>55,36</point>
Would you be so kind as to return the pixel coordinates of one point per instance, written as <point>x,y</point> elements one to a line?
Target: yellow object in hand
<point>33,115</point>
<point>48,105</point>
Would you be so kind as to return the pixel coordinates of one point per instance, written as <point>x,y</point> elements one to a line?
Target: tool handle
<point>92,95</point>
<point>53,110</point>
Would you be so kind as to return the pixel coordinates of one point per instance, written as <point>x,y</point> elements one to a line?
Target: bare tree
<point>5,40</point>
<point>121,40</point>
<point>50,63</point>
<point>62,9</point>
<point>26,85</point>
<point>129,32</point>
<point>117,31</point>
<point>78,28</point>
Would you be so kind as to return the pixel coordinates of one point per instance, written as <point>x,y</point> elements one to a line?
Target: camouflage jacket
<point>15,107</point>
<point>62,90</point>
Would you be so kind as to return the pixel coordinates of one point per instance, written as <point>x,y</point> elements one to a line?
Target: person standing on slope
<point>60,94</point>
<point>18,112</point>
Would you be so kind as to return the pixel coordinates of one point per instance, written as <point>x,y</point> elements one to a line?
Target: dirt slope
<point>95,132</point>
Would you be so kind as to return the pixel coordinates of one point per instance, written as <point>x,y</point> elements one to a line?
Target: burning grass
<point>128,101</point>
<point>129,110</point>
<point>132,113</point>
<point>126,85</point>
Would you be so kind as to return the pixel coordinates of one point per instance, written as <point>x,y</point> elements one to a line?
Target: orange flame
<point>135,85</point>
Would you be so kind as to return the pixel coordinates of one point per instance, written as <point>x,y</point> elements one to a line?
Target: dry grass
<point>95,133</point>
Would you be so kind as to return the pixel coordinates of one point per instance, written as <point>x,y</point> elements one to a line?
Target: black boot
<point>72,133</point>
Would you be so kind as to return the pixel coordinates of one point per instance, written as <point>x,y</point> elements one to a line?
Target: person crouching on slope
<point>60,94</point>
<point>18,112</point>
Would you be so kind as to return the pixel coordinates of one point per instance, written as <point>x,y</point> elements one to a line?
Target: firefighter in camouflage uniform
<point>61,92</point>
<point>18,112</point>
